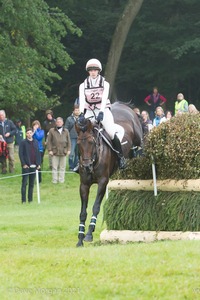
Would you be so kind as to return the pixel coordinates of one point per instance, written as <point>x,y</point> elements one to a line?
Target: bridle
<point>89,163</point>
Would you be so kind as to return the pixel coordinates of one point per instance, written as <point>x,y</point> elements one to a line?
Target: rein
<point>97,149</point>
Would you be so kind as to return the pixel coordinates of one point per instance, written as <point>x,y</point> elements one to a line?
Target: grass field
<point>39,260</point>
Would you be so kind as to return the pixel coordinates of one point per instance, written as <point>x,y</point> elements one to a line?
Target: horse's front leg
<point>96,209</point>
<point>84,192</point>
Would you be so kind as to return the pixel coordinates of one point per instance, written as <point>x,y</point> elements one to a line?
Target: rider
<point>94,102</point>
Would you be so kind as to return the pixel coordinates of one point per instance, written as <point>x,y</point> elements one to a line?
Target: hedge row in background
<point>175,146</point>
<point>129,210</point>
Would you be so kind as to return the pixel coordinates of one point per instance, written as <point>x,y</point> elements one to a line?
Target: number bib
<point>94,95</point>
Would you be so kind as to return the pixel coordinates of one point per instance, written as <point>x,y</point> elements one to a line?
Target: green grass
<point>39,260</point>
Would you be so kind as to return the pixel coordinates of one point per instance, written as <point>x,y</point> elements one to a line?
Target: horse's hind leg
<point>96,209</point>
<point>84,192</point>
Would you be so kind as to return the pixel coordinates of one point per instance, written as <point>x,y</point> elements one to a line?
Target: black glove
<point>81,118</point>
<point>100,117</point>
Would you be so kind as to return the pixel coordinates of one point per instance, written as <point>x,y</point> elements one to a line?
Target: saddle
<point>105,136</point>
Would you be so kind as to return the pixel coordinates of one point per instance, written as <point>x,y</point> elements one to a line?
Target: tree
<point>97,20</point>
<point>162,49</point>
<point>31,48</point>
<point>130,12</point>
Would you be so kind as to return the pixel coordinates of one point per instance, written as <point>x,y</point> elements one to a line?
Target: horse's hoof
<point>79,244</point>
<point>88,238</point>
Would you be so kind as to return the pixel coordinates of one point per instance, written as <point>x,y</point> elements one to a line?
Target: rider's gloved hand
<point>100,117</point>
<point>81,118</point>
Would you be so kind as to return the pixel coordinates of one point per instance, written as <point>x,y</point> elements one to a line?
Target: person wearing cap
<point>181,105</point>
<point>30,159</point>
<point>49,123</point>
<point>94,103</point>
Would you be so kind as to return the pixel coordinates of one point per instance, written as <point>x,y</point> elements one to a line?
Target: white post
<point>38,186</point>
<point>154,177</point>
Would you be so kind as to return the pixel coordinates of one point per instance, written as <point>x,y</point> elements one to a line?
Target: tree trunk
<point>130,12</point>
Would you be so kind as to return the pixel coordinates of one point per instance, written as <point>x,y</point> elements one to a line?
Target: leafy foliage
<point>175,147</point>
<point>137,168</point>
<point>129,210</point>
<point>163,50</point>
<point>31,48</point>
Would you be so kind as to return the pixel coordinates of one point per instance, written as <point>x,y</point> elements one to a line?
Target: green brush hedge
<point>130,210</point>
<point>175,146</point>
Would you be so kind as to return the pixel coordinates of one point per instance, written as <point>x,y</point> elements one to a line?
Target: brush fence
<point>133,214</point>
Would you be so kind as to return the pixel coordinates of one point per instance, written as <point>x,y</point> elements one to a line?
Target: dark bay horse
<point>98,161</point>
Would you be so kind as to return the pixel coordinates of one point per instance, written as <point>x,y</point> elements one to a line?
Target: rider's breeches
<point>108,120</point>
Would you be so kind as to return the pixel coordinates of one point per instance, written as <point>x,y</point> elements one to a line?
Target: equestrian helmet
<point>93,64</point>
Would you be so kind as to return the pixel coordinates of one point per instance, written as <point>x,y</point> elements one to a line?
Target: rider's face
<point>93,73</point>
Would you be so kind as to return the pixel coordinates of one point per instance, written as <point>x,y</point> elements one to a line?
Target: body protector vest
<point>93,95</point>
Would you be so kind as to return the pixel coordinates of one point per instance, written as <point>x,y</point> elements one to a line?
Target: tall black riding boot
<point>118,147</point>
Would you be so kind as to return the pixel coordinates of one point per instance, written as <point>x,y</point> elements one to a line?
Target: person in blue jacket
<point>38,134</point>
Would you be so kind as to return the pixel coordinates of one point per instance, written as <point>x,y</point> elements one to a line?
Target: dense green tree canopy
<point>162,49</point>
<point>31,48</point>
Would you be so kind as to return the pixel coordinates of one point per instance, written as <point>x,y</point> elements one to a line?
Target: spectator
<point>59,145</point>
<point>136,110</point>
<point>160,116</point>
<point>70,126</point>
<point>181,105</point>
<point>7,131</point>
<point>146,123</point>
<point>192,109</point>
<point>49,123</point>
<point>3,154</point>
<point>168,115</point>
<point>154,100</point>
<point>38,134</point>
<point>20,134</point>
<point>30,160</point>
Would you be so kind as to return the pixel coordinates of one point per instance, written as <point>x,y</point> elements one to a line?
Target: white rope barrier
<point>37,179</point>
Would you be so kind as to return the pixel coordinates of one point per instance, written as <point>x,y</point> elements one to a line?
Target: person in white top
<point>94,103</point>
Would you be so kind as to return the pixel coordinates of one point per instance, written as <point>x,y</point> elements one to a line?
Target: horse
<point>99,160</point>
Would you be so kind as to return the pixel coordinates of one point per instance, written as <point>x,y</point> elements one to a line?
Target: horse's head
<point>87,144</point>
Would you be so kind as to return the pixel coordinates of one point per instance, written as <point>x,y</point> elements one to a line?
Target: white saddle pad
<point>119,131</point>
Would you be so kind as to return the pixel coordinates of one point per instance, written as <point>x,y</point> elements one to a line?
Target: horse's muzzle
<point>88,166</point>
